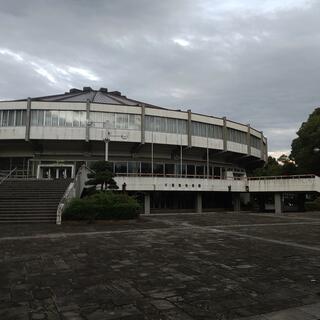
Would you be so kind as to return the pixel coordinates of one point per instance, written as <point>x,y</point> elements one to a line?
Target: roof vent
<point>104,89</point>
<point>74,90</point>
<point>87,89</point>
<point>116,93</point>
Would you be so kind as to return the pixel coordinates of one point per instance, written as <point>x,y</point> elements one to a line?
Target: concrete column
<point>87,122</point>
<point>189,129</point>
<point>28,120</point>
<point>277,203</point>
<point>249,140</point>
<point>225,133</point>
<point>147,203</point>
<point>199,202</point>
<point>261,147</point>
<point>236,202</point>
<point>143,124</point>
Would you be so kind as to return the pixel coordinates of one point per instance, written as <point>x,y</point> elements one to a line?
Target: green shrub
<point>313,205</point>
<point>102,206</point>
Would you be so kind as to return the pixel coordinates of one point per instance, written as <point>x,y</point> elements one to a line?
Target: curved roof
<point>95,96</point>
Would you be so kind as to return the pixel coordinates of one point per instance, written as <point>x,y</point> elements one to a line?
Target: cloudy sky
<point>254,61</point>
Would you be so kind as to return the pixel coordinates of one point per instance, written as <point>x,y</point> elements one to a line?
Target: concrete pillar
<point>143,124</point>
<point>236,202</point>
<point>147,203</point>
<point>199,203</point>
<point>225,133</point>
<point>261,147</point>
<point>28,120</point>
<point>189,129</point>
<point>248,140</point>
<point>277,203</point>
<point>87,120</point>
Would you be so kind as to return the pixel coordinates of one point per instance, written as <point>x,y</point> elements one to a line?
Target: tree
<point>271,168</point>
<point>102,175</point>
<point>287,166</point>
<point>303,150</point>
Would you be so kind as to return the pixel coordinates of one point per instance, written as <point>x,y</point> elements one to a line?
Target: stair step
<point>31,201</point>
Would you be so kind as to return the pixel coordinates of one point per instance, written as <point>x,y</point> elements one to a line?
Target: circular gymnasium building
<point>177,160</point>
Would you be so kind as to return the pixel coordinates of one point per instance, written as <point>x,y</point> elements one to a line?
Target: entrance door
<point>55,171</point>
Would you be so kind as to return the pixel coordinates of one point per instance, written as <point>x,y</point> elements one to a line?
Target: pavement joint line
<point>184,226</point>
<point>288,217</point>
<point>286,243</point>
<point>89,233</point>
<point>267,224</point>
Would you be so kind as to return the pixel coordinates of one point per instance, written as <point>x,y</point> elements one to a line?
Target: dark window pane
<point>158,168</point>
<point>121,167</point>
<point>169,168</point>
<point>134,167</point>
<point>146,167</point>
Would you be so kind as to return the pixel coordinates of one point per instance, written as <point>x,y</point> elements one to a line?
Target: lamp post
<point>107,139</point>
<point>106,152</point>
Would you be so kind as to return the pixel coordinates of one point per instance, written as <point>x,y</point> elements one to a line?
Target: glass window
<point>161,124</point>
<point>134,121</point>
<point>62,118</point>
<point>24,117</point>
<point>169,168</point>
<point>200,170</point>
<point>121,121</point>
<point>48,118</point>
<point>83,117</point>
<point>158,169</point>
<point>55,118</point>
<point>237,136</point>
<point>149,123</point>
<point>34,117</point>
<point>69,118</point>
<point>4,118</point>
<point>214,131</point>
<point>76,118</point>
<point>121,167</point>
<point>181,170</point>
<point>255,142</point>
<point>190,169</point>
<point>182,127</point>
<point>11,118</point>
<point>172,125</point>
<point>18,118</point>
<point>109,120</point>
<point>40,119</point>
<point>133,167</point>
<point>157,124</point>
<point>145,167</point>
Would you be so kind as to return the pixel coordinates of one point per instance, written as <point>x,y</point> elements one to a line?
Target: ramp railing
<point>5,176</point>
<point>73,191</point>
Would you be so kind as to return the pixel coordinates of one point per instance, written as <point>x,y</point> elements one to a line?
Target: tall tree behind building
<point>305,148</point>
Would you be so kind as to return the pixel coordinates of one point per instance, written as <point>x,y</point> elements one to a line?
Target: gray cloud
<point>255,62</point>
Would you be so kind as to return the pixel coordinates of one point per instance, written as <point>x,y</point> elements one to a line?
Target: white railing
<point>294,176</point>
<point>74,190</point>
<point>7,175</point>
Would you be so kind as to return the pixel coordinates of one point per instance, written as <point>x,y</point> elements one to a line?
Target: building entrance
<point>55,171</point>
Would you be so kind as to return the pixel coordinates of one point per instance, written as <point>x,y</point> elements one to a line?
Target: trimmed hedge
<point>102,206</point>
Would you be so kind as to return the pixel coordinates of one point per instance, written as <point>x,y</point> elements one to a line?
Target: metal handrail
<point>74,190</point>
<point>8,175</point>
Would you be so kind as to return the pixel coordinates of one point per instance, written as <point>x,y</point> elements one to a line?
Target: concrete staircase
<point>34,200</point>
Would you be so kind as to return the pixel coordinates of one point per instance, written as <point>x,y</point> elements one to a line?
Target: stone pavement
<point>186,266</point>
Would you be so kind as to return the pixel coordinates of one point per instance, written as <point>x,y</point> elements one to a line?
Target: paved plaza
<point>170,267</point>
